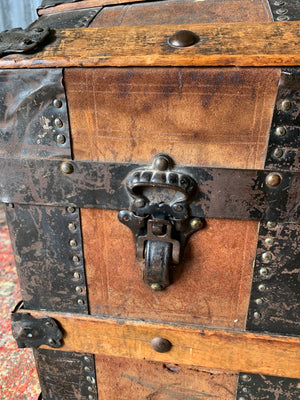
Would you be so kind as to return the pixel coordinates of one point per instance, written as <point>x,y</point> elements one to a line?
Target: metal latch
<point>29,331</point>
<point>20,40</point>
<point>159,217</point>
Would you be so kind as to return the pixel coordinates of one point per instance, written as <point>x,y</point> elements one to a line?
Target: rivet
<point>246,378</point>
<point>183,38</point>
<point>79,289</point>
<point>279,3</point>
<point>49,324</point>
<point>281,11</point>
<point>280,131</point>
<point>257,315</point>
<point>125,218</point>
<point>67,168</point>
<point>161,345</point>
<point>139,203</point>
<point>196,223</point>
<point>273,180</point>
<point>177,207</point>
<point>51,341</point>
<point>245,390</point>
<point>80,302</point>
<point>269,241</point>
<point>73,243</point>
<point>242,398</point>
<point>266,256</point>
<point>271,224</point>
<point>278,153</point>
<point>262,287</point>
<point>57,103</point>
<point>259,301</point>
<point>87,359</point>
<point>91,397</point>
<point>156,287</point>
<point>71,210</point>
<point>61,139</point>
<point>161,163</point>
<point>90,389</point>
<point>77,275</point>
<point>72,226</point>
<point>282,18</point>
<point>286,105</point>
<point>90,379</point>
<point>87,369</point>
<point>263,272</point>
<point>58,122</point>
<point>76,259</point>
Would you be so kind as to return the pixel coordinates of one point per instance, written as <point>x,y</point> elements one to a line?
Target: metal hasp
<point>29,331</point>
<point>20,40</point>
<point>159,217</point>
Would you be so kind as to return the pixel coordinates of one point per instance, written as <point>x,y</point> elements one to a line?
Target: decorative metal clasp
<point>20,40</point>
<point>29,331</point>
<point>160,217</point>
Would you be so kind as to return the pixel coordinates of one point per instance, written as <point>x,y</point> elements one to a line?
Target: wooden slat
<point>84,4</point>
<point>208,348</point>
<point>239,44</point>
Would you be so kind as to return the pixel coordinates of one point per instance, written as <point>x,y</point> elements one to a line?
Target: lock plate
<point>159,217</point>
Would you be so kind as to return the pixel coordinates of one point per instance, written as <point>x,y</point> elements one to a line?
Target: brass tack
<point>183,38</point>
<point>278,153</point>
<point>273,180</point>
<point>61,139</point>
<point>67,168</point>
<point>156,287</point>
<point>286,105</point>
<point>57,103</point>
<point>280,131</point>
<point>196,223</point>
<point>58,123</point>
<point>161,345</point>
<point>161,163</point>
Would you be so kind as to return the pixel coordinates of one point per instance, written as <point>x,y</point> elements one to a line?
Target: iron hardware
<point>160,217</point>
<point>20,40</point>
<point>29,331</point>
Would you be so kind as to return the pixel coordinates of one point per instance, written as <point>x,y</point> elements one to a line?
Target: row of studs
<point>281,12</point>
<point>266,257</point>
<point>86,19</point>
<point>88,368</point>
<point>76,258</point>
<point>245,391</point>
<point>60,138</point>
<point>280,131</point>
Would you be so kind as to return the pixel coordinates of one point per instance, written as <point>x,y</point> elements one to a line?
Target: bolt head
<point>161,345</point>
<point>278,153</point>
<point>156,287</point>
<point>77,275</point>
<point>197,224</point>
<point>67,168</point>
<point>72,226</point>
<point>161,163</point>
<point>61,139</point>
<point>57,103</point>
<point>273,180</point>
<point>58,123</point>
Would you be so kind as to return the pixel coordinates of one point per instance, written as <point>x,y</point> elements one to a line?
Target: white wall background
<point>17,13</point>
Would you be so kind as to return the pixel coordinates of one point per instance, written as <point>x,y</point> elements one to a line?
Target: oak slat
<point>209,348</point>
<point>238,44</point>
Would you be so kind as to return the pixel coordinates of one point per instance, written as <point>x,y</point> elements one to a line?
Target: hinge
<point>29,331</point>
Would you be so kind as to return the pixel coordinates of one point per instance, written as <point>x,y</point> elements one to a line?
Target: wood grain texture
<point>184,12</point>
<point>199,116</point>
<point>231,44</point>
<point>214,349</point>
<point>211,287</point>
<point>140,379</point>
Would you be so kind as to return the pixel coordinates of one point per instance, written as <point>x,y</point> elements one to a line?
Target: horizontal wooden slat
<point>83,4</point>
<point>208,348</point>
<point>232,44</point>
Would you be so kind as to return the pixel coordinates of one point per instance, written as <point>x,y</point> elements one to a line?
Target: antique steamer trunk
<point>150,170</point>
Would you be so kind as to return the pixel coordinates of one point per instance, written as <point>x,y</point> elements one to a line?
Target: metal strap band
<point>285,10</point>
<point>223,193</point>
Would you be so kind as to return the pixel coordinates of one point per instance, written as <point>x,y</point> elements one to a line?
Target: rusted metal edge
<point>190,344</point>
<point>66,375</point>
<point>284,142</point>
<point>33,114</point>
<point>285,10</point>
<point>223,193</point>
<point>48,252</point>
<point>275,303</point>
<point>228,44</point>
<point>262,387</point>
